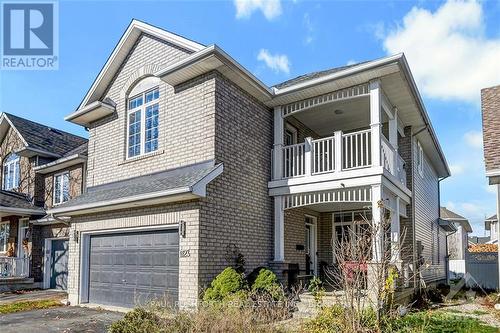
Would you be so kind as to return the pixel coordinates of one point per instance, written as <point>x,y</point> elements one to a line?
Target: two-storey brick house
<point>41,168</point>
<point>191,155</point>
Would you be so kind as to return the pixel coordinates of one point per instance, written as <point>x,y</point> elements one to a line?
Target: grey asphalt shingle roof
<point>157,182</point>
<point>45,137</point>
<point>314,75</point>
<point>492,218</point>
<point>16,200</point>
<point>449,215</point>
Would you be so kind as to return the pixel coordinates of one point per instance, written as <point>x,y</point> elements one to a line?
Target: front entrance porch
<point>309,226</point>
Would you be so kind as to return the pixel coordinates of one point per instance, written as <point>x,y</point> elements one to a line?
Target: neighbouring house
<point>491,225</point>
<point>191,155</point>
<point>490,109</point>
<point>478,240</point>
<point>42,167</point>
<point>458,242</point>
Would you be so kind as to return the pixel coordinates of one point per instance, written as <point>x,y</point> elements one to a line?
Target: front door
<point>59,264</point>
<point>22,266</point>
<point>310,245</point>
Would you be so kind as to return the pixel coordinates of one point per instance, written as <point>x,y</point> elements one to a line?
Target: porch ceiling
<point>343,115</point>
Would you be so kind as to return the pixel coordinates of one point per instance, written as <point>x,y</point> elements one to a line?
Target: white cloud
<point>270,8</point>
<point>309,29</point>
<point>276,62</point>
<point>351,62</point>
<point>456,169</point>
<point>474,139</point>
<point>448,52</point>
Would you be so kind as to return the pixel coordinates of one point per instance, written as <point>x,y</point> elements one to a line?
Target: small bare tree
<point>368,267</point>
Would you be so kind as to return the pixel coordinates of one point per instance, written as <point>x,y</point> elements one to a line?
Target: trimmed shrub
<point>225,285</point>
<point>267,282</point>
<point>137,321</point>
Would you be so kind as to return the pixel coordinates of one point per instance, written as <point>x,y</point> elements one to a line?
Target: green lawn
<point>29,305</point>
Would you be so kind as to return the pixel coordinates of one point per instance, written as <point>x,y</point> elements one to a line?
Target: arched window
<point>11,172</point>
<point>143,117</point>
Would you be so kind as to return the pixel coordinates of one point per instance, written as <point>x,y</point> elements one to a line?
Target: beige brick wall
<point>238,209</point>
<point>152,216</point>
<point>75,184</point>
<point>490,105</point>
<point>295,234</point>
<point>186,119</point>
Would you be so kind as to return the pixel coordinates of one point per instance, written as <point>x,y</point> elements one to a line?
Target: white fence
<point>14,267</point>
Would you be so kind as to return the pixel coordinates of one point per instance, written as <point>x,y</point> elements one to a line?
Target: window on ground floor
<point>4,236</point>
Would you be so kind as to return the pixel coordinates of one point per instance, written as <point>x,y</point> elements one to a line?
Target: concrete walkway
<point>63,319</point>
<point>31,295</point>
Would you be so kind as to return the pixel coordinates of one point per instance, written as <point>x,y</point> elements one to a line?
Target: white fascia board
<point>200,187</point>
<point>21,211</point>
<point>30,151</point>
<point>112,204</point>
<point>6,117</point>
<point>128,38</point>
<point>493,173</point>
<point>337,75</point>
<point>61,163</point>
<point>104,109</point>
<point>326,185</point>
<point>204,57</point>
<point>421,106</point>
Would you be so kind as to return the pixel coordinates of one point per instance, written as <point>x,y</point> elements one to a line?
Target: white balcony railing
<point>14,267</point>
<point>340,152</point>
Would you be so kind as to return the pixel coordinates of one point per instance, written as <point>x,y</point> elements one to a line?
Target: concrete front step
<point>307,307</point>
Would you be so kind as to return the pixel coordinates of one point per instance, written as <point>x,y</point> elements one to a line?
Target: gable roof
<point>17,204</point>
<point>448,215</point>
<point>184,183</point>
<point>492,218</point>
<point>121,51</point>
<point>41,138</point>
<point>314,75</point>
<point>205,59</point>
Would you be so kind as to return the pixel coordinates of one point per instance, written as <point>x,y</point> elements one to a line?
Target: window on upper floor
<point>11,172</point>
<point>143,118</point>
<point>420,159</point>
<point>4,236</point>
<point>61,188</point>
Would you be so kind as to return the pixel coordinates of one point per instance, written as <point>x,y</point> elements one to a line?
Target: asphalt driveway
<point>67,319</point>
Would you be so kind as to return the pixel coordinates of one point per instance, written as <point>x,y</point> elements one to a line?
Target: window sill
<point>142,157</point>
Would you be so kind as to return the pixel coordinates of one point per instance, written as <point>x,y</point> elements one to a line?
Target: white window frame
<point>342,223</point>
<point>56,200</point>
<point>420,159</point>
<point>11,164</point>
<point>292,130</point>
<point>4,250</point>
<point>142,110</point>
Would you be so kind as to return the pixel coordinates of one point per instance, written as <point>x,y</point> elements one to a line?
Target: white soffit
<point>214,58</point>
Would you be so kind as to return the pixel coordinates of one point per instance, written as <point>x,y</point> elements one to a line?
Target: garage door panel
<point>134,268</point>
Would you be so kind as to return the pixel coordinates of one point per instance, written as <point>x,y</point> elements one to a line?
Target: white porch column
<point>376,126</point>
<point>278,143</point>
<point>308,156</point>
<point>337,152</point>
<point>378,244</point>
<point>395,233</point>
<point>279,229</point>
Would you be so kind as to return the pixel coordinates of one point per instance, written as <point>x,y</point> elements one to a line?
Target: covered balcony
<point>345,134</point>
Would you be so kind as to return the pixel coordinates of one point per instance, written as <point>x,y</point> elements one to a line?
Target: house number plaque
<point>184,253</point>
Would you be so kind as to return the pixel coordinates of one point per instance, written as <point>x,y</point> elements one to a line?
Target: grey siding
<point>428,234</point>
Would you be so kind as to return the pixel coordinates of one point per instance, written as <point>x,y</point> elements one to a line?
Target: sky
<point>453,49</point>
